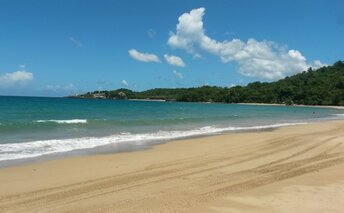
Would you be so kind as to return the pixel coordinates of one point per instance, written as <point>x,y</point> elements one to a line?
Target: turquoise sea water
<point>32,127</point>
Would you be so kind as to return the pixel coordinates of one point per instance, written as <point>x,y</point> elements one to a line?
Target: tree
<point>324,86</point>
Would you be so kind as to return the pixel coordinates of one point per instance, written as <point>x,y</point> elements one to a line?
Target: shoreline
<point>229,172</point>
<point>133,146</point>
<point>204,102</point>
<point>295,105</point>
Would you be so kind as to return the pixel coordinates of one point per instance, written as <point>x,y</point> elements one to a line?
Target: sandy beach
<point>290,169</point>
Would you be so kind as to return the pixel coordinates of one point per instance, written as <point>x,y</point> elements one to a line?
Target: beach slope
<point>291,169</point>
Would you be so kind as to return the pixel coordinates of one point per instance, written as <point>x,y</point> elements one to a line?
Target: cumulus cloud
<point>76,42</point>
<point>178,74</point>
<point>125,83</point>
<point>18,77</point>
<point>260,59</point>
<point>144,57</point>
<point>174,60</point>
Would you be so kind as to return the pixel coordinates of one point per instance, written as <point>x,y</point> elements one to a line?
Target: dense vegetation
<point>324,86</point>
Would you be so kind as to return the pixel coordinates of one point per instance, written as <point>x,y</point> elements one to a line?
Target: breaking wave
<point>72,121</point>
<point>14,151</point>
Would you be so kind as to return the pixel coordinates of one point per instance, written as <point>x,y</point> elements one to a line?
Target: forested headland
<point>324,86</point>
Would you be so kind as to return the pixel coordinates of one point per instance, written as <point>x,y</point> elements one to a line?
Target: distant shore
<point>154,100</point>
<point>298,105</point>
<point>208,102</point>
<point>271,171</point>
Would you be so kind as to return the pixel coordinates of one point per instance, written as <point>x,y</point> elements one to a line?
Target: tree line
<point>324,86</point>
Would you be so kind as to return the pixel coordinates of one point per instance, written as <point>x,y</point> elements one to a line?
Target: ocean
<point>33,128</point>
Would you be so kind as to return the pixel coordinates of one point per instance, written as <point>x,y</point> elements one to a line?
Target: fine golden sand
<point>291,169</point>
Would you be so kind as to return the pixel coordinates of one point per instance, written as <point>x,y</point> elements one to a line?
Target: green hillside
<point>324,86</point>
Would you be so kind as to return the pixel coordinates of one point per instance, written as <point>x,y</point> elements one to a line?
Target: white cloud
<point>76,42</point>
<point>174,60</point>
<point>15,78</point>
<point>125,83</point>
<point>144,57</point>
<point>178,74</point>
<point>318,63</point>
<point>260,59</point>
<point>189,30</point>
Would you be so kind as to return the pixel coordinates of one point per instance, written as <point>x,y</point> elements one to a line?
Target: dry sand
<point>291,169</point>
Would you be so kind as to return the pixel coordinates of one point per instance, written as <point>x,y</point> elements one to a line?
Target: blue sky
<point>60,47</point>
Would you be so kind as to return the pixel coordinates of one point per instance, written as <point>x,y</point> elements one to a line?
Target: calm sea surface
<point>32,127</point>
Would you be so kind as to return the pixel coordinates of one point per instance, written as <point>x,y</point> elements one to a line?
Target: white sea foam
<point>338,115</point>
<point>13,151</point>
<point>72,121</point>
